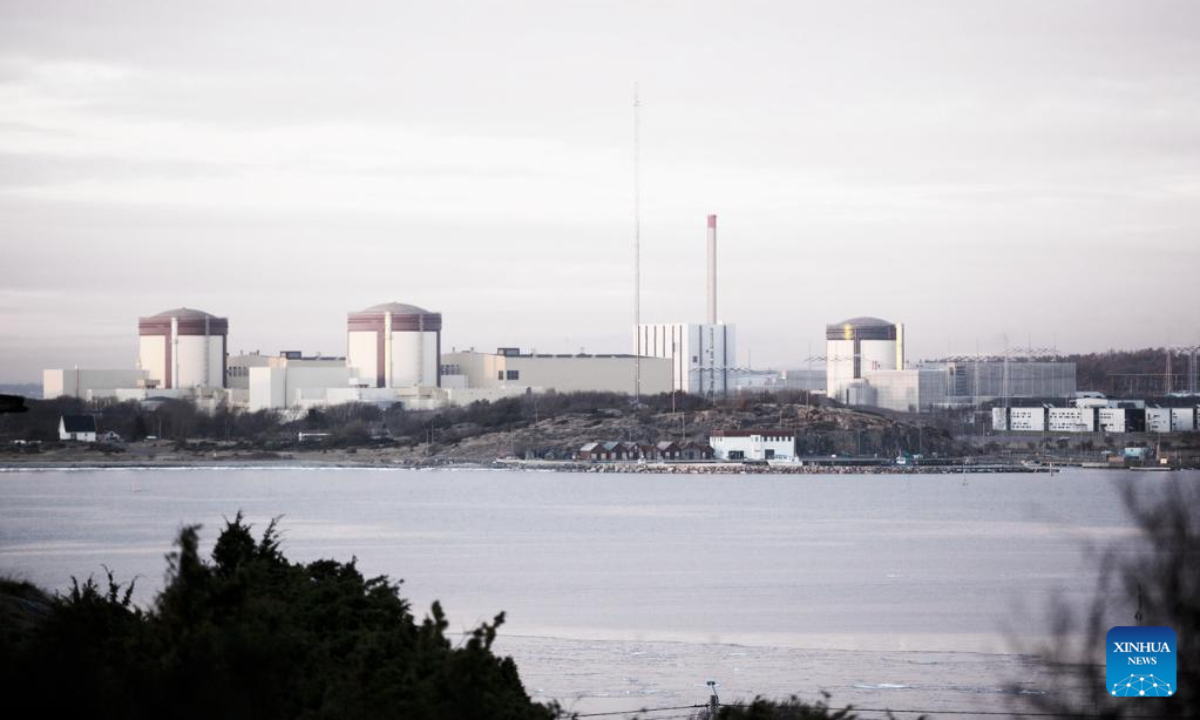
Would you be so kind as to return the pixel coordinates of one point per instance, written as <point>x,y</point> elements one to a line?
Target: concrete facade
<point>1158,420</point>
<point>1027,419</point>
<point>509,369</point>
<point>856,347</point>
<point>281,387</point>
<point>183,348</point>
<point>1072,419</point>
<point>702,357</point>
<point>753,444</point>
<point>1118,417</point>
<point>977,382</point>
<point>1111,419</point>
<point>1184,419</point>
<point>394,345</point>
<point>89,384</point>
<point>237,371</point>
<point>913,390</point>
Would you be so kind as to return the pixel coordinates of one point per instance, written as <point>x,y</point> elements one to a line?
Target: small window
<point>514,374</point>
<point>499,374</point>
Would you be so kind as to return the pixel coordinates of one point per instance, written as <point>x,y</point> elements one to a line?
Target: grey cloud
<point>947,164</point>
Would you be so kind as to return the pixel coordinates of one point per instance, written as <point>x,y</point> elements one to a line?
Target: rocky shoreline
<point>304,461</point>
<point>726,468</point>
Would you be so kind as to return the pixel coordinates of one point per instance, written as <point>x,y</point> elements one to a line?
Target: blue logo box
<point>1141,661</point>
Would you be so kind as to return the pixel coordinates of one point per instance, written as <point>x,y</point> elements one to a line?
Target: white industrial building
<point>393,357</point>
<point>89,384</point>
<point>1113,420</point>
<point>853,349</point>
<point>183,348</point>
<point>702,356</point>
<point>912,390</point>
<point>395,345</point>
<point>753,444</point>
<point>807,379</point>
<point>865,365</point>
<point>976,381</point>
<point>509,368</point>
<point>1158,420</point>
<point>262,382</point>
<point>181,353</point>
<point>1071,419</point>
<point>237,367</point>
<point>1115,416</point>
<point>1027,419</point>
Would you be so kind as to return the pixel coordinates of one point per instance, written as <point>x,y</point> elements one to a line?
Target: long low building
<point>89,384</point>
<point>1083,419</point>
<point>973,382</point>
<point>510,368</point>
<point>933,385</point>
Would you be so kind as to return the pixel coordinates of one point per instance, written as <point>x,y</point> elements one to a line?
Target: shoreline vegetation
<point>550,427</point>
<point>658,468</point>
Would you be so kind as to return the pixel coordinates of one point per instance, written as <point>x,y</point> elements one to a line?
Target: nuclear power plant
<point>855,346</point>
<point>395,345</point>
<point>183,348</point>
<point>394,353</point>
<point>865,365</point>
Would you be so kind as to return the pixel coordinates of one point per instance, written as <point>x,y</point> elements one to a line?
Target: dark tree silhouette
<point>1162,568</point>
<point>251,635</point>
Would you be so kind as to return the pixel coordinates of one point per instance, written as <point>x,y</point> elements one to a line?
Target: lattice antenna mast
<point>637,246</point>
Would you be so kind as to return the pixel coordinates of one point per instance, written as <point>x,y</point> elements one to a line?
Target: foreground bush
<point>1153,579</point>
<point>251,635</point>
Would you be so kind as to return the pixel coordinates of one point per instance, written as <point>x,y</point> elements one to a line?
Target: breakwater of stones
<point>760,469</point>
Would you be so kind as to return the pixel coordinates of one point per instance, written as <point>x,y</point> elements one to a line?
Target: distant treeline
<point>349,423</point>
<point>355,423</point>
<point>1120,372</point>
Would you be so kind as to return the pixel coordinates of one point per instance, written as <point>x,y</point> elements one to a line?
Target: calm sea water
<point>624,591</point>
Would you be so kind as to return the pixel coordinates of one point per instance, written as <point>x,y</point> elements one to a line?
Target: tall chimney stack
<point>712,269</point>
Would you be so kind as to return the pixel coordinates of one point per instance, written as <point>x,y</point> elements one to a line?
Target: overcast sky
<point>976,170</point>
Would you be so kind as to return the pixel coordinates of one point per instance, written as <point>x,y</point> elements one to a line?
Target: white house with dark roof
<point>80,428</point>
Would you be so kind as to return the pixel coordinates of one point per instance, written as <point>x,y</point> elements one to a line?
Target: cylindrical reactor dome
<point>859,345</point>
<point>395,345</point>
<point>183,348</point>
